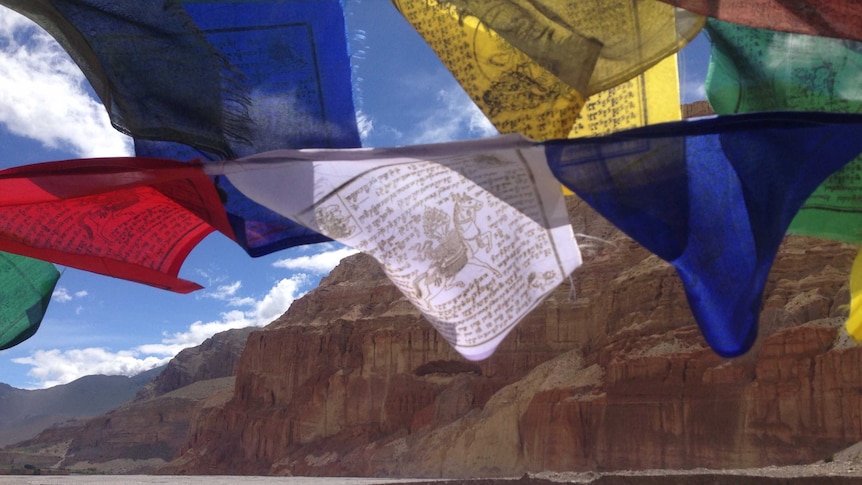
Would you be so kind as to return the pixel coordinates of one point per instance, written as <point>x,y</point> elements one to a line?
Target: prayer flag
<point>529,65</point>
<point>854,320</point>
<point>215,80</point>
<point>153,70</point>
<point>649,98</point>
<point>474,233</point>
<point>763,70</point>
<point>26,286</point>
<point>713,197</point>
<point>828,18</point>
<point>516,94</point>
<point>135,219</point>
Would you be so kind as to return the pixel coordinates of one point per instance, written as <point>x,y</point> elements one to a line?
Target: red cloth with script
<point>130,218</point>
<point>827,18</point>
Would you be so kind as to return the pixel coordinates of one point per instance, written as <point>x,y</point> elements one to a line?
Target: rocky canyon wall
<point>609,373</point>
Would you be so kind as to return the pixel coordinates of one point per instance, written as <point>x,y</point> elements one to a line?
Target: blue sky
<point>101,325</point>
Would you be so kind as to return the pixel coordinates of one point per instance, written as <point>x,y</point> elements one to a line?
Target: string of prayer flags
<point>828,18</point>
<point>475,234</point>
<point>713,197</point>
<point>26,286</point>
<point>215,80</point>
<point>762,70</point>
<point>529,65</point>
<point>130,218</point>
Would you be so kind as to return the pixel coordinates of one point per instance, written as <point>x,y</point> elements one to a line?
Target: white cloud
<point>278,300</point>
<point>227,293</point>
<point>693,91</point>
<point>316,263</point>
<point>456,116</point>
<point>53,367</point>
<point>62,295</point>
<point>365,125</point>
<point>213,275</point>
<point>245,301</point>
<point>12,22</point>
<point>263,311</point>
<point>45,95</point>
<point>224,292</point>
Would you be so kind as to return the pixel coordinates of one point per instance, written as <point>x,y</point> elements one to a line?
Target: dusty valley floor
<point>838,473</point>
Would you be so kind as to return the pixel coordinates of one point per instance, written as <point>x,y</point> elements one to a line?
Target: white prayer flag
<point>475,234</point>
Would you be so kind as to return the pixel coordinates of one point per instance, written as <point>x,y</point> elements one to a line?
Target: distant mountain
<point>139,435</point>
<point>27,412</point>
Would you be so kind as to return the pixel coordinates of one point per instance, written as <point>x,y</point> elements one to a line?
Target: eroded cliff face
<point>609,373</point>
<point>216,357</point>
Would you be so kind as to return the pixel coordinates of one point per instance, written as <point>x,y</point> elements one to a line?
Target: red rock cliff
<point>609,373</point>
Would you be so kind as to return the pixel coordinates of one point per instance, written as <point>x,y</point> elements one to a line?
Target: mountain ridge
<point>27,411</point>
<point>142,433</point>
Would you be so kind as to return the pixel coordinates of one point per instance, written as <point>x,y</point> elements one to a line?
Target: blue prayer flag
<point>713,197</point>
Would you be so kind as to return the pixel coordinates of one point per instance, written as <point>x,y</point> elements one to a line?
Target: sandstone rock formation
<point>216,357</point>
<point>609,373</point>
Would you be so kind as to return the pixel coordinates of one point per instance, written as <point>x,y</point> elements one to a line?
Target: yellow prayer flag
<point>854,320</point>
<point>649,98</point>
<point>514,92</point>
<point>591,46</point>
<point>529,65</point>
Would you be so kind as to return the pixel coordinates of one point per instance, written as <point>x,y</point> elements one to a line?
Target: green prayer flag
<point>755,69</point>
<point>26,286</point>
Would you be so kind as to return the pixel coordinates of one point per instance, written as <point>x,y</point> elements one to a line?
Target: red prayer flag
<point>827,18</point>
<point>130,218</point>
